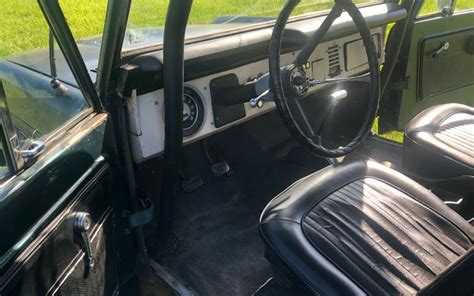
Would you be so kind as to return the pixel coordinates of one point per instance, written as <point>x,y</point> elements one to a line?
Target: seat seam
<point>353,263</point>
<point>427,206</point>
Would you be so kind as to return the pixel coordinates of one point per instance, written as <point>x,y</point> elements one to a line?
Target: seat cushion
<point>362,228</point>
<point>439,142</point>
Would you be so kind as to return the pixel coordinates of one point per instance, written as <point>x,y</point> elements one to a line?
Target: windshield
<point>209,17</point>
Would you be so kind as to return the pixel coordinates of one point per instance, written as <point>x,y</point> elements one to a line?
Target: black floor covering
<point>216,248</point>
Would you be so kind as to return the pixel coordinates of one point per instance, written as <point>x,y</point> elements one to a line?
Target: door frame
<point>88,130</point>
<point>392,105</point>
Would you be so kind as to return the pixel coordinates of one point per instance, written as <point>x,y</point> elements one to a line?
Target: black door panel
<point>30,200</point>
<point>447,63</point>
<point>42,253</point>
<point>61,190</point>
<point>55,264</point>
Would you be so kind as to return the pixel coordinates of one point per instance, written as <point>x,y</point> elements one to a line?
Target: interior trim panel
<point>242,57</point>
<point>146,114</point>
<point>144,73</point>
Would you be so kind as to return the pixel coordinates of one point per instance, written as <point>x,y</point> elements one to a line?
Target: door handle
<point>36,147</point>
<point>82,222</point>
<point>443,47</point>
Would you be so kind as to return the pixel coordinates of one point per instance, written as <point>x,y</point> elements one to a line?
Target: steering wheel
<point>291,83</point>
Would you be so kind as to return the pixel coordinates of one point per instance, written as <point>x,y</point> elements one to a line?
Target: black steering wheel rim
<point>277,86</point>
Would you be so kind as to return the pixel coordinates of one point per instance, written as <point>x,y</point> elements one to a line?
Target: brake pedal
<point>191,184</point>
<point>221,168</point>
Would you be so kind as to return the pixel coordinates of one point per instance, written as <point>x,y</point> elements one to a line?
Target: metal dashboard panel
<point>146,112</point>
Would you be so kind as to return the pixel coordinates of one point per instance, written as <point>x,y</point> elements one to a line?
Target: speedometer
<point>193,112</point>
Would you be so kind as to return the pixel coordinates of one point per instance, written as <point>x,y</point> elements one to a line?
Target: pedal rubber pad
<point>220,168</point>
<point>192,184</point>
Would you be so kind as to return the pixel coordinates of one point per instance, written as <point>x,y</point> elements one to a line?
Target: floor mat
<point>216,248</point>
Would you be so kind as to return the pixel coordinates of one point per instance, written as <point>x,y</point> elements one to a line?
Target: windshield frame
<point>128,54</point>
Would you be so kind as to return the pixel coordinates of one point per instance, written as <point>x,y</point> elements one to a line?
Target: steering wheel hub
<point>299,81</point>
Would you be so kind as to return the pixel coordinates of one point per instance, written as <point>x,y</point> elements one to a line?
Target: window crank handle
<point>82,223</point>
<point>444,47</point>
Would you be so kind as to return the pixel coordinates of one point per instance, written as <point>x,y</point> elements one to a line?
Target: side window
<point>36,107</point>
<point>5,158</point>
<point>438,6</point>
<point>4,169</point>
<point>434,6</point>
<point>464,5</point>
<point>40,89</point>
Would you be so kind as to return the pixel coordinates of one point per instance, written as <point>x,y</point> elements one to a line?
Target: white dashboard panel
<point>146,114</point>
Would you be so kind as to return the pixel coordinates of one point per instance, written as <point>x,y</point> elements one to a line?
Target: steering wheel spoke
<point>358,78</point>
<point>300,116</point>
<point>310,46</point>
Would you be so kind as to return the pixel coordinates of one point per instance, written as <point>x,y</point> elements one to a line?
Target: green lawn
<point>23,27</point>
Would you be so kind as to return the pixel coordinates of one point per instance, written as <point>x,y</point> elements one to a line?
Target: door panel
<point>448,77</point>
<point>58,209</point>
<point>447,63</point>
<point>54,263</point>
<point>48,256</point>
<point>33,197</point>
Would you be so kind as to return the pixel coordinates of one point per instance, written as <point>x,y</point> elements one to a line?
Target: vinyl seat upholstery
<point>439,143</point>
<point>361,228</point>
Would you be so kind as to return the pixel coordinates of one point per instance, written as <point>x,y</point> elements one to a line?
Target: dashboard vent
<point>334,61</point>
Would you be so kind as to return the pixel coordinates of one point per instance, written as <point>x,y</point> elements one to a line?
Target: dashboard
<point>203,111</point>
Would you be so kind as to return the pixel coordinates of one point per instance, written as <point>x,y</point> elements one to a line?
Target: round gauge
<point>193,112</point>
